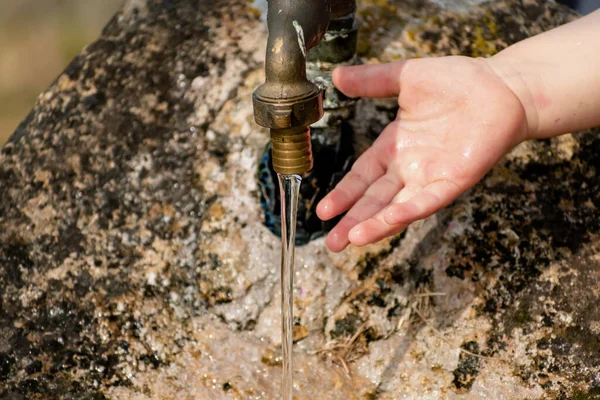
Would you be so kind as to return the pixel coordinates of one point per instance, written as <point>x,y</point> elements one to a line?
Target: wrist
<point>520,82</point>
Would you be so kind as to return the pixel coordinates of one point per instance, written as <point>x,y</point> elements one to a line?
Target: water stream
<point>289,187</point>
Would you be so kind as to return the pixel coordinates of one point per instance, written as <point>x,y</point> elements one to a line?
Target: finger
<point>380,226</point>
<point>375,199</point>
<point>373,230</point>
<point>407,193</point>
<point>367,169</point>
<point>372,80</point>
<point>337,238</point>
<point>426,202</point>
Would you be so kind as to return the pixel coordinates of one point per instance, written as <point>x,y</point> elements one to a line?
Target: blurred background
<point>38,38</point>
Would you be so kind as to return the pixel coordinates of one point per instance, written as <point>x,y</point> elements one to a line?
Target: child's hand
<point>457,118</point>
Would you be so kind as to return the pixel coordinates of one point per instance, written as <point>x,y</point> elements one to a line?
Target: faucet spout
<point>295,26</point>
<point>288,102</point>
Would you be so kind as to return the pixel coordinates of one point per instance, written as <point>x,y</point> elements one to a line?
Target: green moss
<point>593,394</point>
<point>411,35</point>
<point>377,17</point>
<point>491,24</point>
<point>481,47</point>
<point>522,317</point>
<point>254,11</point>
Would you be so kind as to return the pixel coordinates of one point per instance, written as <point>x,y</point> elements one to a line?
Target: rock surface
<point>135,264</point>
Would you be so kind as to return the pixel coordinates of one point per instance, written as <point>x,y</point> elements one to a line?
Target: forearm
<point>556,76</point>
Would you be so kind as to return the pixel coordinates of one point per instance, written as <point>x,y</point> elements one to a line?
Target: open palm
<point>457,118</point>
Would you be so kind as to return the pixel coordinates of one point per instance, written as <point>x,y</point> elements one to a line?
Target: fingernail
<point>333,242</point>
<point>354,235</point>
<point>323,209</point>
<point>388,216</point>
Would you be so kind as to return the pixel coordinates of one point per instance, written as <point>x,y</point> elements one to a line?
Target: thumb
<point>371,80</point>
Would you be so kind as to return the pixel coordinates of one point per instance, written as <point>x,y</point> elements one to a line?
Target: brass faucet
<point>299,91</point>
<point>287,103</point>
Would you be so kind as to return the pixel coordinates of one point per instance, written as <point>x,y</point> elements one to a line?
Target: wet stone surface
<point>135,263</point>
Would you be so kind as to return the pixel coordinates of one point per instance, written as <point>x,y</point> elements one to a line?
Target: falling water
<point>289,187</point>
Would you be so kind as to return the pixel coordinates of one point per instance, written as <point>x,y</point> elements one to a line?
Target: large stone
<point>135,264</point>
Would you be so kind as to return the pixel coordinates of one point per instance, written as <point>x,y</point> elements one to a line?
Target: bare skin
<point>458,117</point>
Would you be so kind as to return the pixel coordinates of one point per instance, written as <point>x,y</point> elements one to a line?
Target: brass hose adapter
<point>291,150</point>
<point>288,102</point>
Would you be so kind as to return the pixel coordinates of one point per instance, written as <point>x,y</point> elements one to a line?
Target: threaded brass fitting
<point>292,150</point>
